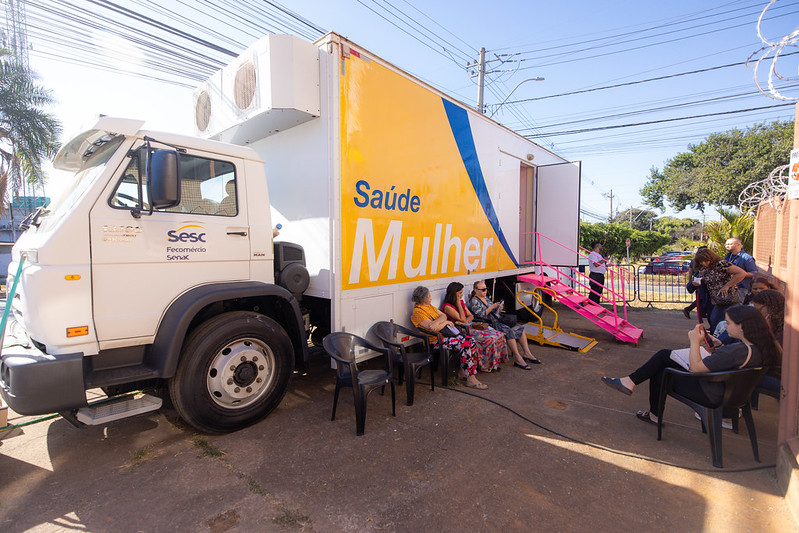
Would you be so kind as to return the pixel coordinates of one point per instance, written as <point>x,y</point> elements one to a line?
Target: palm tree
<point>28,135</point>
<point>734,224</point>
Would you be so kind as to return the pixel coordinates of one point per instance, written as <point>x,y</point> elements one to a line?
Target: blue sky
<point>575,45</point>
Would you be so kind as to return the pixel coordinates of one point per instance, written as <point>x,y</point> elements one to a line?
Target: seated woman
<point>721,278</point>
<point>771,305</point>
<point>489,343</point>
<point>762,283</point>
<point>487,311</point>
<point>427,317</point>
<point>757,347</point>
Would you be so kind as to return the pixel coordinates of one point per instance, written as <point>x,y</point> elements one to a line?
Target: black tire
<point>537,306</point>
<point>234,370</point>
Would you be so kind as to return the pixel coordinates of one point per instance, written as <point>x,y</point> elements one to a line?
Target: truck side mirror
<point>163,183</point>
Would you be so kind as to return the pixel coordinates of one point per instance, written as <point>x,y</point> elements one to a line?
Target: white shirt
<point>596,257</point>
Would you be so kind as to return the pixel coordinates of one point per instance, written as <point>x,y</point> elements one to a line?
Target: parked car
<point>665,267</point>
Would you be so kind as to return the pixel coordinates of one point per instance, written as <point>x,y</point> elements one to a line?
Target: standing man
<point>739,258</point>
<point>596,264</point>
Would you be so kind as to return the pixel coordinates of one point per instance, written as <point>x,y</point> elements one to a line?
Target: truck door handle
<point>241,233</point>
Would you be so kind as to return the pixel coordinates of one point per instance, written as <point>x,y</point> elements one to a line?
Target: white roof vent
<point>244,85</point>
<point>271,87</point>
<point>202,110</point>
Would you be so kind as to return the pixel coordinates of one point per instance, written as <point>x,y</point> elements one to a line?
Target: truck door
<point>558,212</point>
<point>140,265</point>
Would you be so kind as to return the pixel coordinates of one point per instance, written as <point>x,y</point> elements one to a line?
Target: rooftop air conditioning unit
<point>210,113</point>
<point>271,87</point>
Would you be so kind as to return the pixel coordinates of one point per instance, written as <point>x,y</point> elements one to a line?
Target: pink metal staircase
<point>609,320</point>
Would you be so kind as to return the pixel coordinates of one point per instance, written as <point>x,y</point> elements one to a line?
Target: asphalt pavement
<point>550,449</point>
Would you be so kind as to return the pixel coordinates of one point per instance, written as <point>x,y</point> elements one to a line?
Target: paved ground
<point>512,458</point>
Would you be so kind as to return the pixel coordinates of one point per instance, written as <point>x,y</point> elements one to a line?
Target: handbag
<point>508,319</point>
<point>732,297</point>
<point>480,326</point>
<point>449,331</point>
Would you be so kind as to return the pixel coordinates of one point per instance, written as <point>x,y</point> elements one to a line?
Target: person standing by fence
<point>596,265</point>
<point>705,307</point>
<point>738,257</point>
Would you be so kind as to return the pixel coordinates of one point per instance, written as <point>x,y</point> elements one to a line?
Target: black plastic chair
<point>444,353</point>
<point>763,390</point>
<point>738,388</point>
<point>343,348</point>
<point>398,339</point>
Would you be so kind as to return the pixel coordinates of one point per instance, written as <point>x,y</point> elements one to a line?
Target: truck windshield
<point>84,178</point>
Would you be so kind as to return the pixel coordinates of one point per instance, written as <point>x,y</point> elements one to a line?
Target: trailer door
<point>558,212</point>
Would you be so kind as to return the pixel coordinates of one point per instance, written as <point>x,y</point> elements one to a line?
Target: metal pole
<point>481,73</point>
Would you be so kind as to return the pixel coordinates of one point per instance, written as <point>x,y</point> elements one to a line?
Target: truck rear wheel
<point>234,370</point>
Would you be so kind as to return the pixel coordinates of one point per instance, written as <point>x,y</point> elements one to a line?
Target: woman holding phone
<point>757,347</point>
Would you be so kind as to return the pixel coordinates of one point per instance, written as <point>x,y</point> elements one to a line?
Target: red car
<point>667,267</point>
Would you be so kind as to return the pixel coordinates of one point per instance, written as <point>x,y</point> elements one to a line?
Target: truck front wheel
<point>234,370</point>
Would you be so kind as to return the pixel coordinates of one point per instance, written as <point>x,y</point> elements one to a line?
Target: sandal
<point>644,415</point>
<point>478,386</point>
<point>523,367</point>
<point>533,360</point>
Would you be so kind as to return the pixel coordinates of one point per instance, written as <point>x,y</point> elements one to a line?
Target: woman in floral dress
<point>721,278</point>
<point>425,316</point>
<point>490,343</point>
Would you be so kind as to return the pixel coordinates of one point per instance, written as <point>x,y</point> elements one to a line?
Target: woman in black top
<point>757,347</point>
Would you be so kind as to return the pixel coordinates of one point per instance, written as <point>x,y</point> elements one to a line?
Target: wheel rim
<point>240,373</point>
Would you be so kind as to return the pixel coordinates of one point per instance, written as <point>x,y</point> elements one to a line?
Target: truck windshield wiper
<point>33,218</point>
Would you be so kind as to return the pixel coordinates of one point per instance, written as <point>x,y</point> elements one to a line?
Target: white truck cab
<point>158,235</point>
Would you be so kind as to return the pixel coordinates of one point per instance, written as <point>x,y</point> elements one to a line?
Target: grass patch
<point>255,487</point>
<point>292,519</point>
<point>207,449</point>
<point>138,455</point>
<point>454,381</point>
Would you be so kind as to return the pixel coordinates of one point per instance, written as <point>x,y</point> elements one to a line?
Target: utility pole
<point>481,76</point>
<point>479,69</point>
<point>15,35</point>
<point>610,195</point>
<point>702,235</point>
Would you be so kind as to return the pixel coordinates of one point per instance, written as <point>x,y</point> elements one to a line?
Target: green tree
<point>733,224</point>
<point>28,135</point>
<point>613,237</point>
<point>715,171</point>
<point>678,228</point>
<point>641,218</point>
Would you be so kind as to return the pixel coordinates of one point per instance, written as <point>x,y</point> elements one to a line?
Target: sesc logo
<point>179,235</point>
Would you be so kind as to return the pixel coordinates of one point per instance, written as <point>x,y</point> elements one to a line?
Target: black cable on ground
<point>602,447</point>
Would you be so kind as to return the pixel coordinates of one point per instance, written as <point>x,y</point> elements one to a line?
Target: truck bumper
<point>35,383</point>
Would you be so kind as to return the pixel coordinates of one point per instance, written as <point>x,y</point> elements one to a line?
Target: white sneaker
<point>726,423</point>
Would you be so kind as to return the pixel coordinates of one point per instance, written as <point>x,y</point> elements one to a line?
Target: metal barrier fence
<point>622,281</point>
<point>648,288</point>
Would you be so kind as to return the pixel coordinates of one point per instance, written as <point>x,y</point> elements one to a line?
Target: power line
<point>658,78</point>
<point>585,130</point>
<point>679,20</point>
<point>414,37</point>
<point>683,38</point>
<point>716,99</point>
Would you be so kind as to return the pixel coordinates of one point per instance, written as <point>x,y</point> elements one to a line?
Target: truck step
<point>102,413</point>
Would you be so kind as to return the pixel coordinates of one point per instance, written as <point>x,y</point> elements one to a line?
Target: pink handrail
<point>613,269</point>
